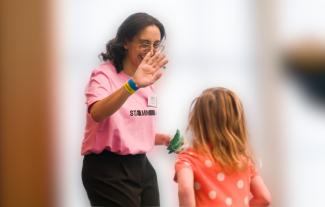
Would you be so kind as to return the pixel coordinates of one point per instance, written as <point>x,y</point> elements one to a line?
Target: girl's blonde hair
<point>217,122</point>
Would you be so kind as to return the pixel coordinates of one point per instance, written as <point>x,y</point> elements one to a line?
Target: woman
<point>120,127</point>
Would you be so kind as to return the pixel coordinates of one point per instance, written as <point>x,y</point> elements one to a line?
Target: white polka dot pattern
<point>208,163</point>
<point>228,201</point>
<point>240,184</point>
<point>212,194</point>
<point>221,176</point>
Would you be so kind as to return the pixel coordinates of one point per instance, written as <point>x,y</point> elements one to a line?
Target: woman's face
<point>145,41</point>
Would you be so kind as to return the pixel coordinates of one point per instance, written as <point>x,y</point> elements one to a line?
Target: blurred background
<point>271,53</point>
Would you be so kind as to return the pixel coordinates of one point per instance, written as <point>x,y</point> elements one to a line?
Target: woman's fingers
<point>153,58</point>
<point>154,65</point>
<point>160,62</point>
<point>157,75</point>
<point>159,58</point>
<point>156,57</point>
<point>147,57</point>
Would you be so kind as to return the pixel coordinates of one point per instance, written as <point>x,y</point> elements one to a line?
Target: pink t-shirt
<point>131,129</point>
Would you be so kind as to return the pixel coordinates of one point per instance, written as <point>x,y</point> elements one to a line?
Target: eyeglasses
<point>145,46</point>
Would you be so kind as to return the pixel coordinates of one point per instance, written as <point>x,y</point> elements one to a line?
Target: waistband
<point>109,154</point>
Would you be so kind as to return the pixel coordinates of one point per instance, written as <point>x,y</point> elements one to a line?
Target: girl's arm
<point>186,195</point>
<point>261,195</point>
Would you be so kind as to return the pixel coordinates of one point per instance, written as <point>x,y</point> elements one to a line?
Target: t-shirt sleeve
<point>253,170</point>
<point>98,87</point>
<point>184,160</point>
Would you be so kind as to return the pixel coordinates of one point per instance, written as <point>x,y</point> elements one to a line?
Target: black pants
<point>120,180</point>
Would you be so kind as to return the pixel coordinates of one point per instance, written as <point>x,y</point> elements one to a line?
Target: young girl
<point>218,169</point>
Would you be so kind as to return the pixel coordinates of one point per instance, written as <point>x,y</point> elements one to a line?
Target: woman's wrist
<point>162,139</point>
<point>130,86</point>
<point>133,85</point>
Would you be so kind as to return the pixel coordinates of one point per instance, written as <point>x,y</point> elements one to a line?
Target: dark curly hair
<point>131,26</point>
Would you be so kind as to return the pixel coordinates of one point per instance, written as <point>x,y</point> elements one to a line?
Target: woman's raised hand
<point>150,69</point>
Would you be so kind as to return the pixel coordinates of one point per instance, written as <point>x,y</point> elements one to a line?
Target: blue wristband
<point>132,84</point>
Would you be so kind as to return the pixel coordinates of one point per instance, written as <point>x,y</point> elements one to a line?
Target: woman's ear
<point>126,45</point>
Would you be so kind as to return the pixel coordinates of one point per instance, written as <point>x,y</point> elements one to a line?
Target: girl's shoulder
<point>191,152</point>
<point>200,161</point>
<point>186,158</point>
<point>192,155</point>
<point>252,168</point>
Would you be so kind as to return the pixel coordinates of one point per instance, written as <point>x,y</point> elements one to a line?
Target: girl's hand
<point>150,69</point>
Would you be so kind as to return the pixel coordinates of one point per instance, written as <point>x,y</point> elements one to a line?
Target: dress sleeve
<point>98,87</point>
<point>184,160</point>
<point>253,170</point>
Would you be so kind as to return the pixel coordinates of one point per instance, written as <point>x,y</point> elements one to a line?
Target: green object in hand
<point>176,143</point>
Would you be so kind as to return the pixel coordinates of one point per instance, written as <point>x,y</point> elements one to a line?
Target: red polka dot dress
<point>213,186</point>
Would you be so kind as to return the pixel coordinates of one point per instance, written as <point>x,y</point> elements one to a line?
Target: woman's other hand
<point>162,139</point>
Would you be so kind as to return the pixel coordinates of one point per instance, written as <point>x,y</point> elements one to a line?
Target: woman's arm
<point>162,139</point>
<point>261,195</point>
<point>148,72</point>
<point>107,106</point>
<point>186,195</point>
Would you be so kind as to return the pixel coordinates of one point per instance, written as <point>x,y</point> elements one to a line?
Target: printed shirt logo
<point>142,112</point>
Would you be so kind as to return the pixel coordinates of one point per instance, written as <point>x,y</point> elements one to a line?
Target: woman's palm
<point>149,70</point>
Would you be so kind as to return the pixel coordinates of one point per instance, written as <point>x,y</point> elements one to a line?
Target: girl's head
<point>217,122</point>
<point>139,34</point>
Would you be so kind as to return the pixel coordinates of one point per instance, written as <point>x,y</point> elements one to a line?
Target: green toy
<point>176,143</point>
